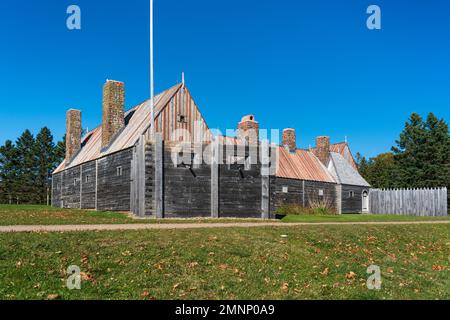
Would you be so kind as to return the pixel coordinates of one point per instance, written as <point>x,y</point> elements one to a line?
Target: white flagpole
<point>152,88</point>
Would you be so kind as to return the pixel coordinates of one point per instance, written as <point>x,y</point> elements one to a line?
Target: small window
<point>181,118</point>
<point>86,179</point>
<point>351,194</point>
<point>320,192</point>
<point>285,189</point>
<point>119,171</point>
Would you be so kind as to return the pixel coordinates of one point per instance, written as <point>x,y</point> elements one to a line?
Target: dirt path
<point>115,227</point>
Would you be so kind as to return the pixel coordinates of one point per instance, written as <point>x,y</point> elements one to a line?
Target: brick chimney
<point>323,149</point>
<point>113,110</point>
<point>73,133</point>
<point>248,129</point>
<point>288,139</point>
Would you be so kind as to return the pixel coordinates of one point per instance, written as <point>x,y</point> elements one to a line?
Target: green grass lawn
<point>43,215</point>
<point>357,218</point>
<point>312,262</point>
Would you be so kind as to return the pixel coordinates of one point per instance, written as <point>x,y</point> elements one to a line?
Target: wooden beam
<point>81,186</point>
<point>140,171</point>
<point>265,179</point>
<point>96,184</point>
<point>215,178</point>
<point>159,175</point>
<point>339,198</point>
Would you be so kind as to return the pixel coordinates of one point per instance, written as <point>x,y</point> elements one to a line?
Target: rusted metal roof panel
<point>301,165</point>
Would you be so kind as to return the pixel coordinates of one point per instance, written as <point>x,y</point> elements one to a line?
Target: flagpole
<point>152,88</point>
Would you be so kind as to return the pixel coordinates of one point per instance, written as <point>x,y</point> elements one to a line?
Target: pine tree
<point>46,161</point>
<point>60,150</point>
<point>437,147</point>
<point>8,172</point>
<point>422,153</point>
<point>25,184</point>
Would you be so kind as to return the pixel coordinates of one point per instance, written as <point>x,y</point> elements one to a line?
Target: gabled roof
<point>343,172</point>
<point>137,121</point>
<point>343,149</point>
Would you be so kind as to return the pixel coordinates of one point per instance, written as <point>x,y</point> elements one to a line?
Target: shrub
<point>317,207</point>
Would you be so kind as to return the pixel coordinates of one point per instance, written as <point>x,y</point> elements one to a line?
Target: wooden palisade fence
<point>412,202</point>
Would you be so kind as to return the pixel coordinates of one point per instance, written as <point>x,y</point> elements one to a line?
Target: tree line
<point>26,166</point>
<point>420,158</point>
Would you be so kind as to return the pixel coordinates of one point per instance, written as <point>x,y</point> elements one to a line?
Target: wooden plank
<point>81,186</point>
<point>339,198</point>
<point>215,178</point>
<point>265,179</point>
<point>96,184</point>
<point>141,176</point>
<point>159,172</point>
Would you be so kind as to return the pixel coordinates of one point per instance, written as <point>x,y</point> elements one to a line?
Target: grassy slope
<point>35,215</point>
<point>43,215</point>
<point>311,263</point>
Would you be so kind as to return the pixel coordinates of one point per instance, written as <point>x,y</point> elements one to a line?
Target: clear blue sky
<point>311,65</point>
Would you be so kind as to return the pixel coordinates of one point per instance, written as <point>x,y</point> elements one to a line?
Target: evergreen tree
<point>60,150</point>
<point>422,153</point>
<point>27,169</point>
<point>46,161</point>
<point>437,166</point>
<point>8,172</point>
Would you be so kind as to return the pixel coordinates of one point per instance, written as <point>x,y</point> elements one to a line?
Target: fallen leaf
<point>351,275</point>
<point>53,296</point>
<point>325,272</point>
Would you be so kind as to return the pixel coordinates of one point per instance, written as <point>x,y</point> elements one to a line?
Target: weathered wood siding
<point>71,188</point>
<point>57,190</point>
<point>76,187</point>
<point>300,192</point>
<point>278,198</point>
<point>352,204</point>
<point>88,185</point>
<point>186,189</point>
<point>192,127</point>
<point>113,191</point>
<point>312,193</point>
<point>414,202</point>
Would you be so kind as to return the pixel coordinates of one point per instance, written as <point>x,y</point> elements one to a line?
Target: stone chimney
<point>289,140</point>
<point>73,133</point>
<point>323,149</point>
<point>248,130</point>
<point>113,111</point>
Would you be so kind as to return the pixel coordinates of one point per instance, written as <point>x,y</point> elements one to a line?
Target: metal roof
<point>137,123</point>
<point>301,165</point>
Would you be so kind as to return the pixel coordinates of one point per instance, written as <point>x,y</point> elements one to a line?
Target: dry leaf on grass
<point>351,275</point>
<point>325,272</point>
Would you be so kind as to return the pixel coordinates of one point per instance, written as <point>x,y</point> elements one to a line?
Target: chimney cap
<point>114,81</point>
<point>288,129</point>
<point>248,117</point>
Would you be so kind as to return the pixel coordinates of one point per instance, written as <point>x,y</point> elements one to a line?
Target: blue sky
<point>311,65</point>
